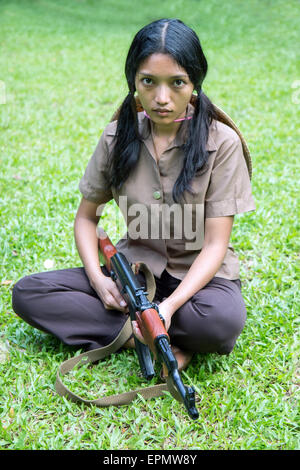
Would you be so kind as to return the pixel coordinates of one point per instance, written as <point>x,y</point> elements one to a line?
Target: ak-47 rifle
<point>150,322</point>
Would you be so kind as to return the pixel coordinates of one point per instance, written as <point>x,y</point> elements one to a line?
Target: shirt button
<point>156,195</point>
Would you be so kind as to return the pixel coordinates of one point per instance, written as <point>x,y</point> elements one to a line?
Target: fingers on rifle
<point>120,301</point>
<point>113,302</point>
<point>137,332</point>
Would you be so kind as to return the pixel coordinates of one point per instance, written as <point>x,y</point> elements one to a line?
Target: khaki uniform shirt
<point>161,233</point>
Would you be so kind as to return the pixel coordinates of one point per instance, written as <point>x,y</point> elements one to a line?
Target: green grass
<point>61,63</point>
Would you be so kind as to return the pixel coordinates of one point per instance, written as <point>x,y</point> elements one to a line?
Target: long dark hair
<point>173,37</point>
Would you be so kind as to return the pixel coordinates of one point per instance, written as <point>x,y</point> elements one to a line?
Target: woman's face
<point>164,88</point>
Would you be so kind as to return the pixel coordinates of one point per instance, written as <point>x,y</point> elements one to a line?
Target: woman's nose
<point>162,95</point>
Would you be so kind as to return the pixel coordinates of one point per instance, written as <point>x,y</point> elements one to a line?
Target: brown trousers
<point>64,304</point>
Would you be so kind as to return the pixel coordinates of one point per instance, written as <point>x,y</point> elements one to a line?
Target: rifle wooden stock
<point>106,247</point>
<point>151,327</point>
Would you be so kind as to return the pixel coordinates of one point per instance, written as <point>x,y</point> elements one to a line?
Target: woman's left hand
<point>166,312</point>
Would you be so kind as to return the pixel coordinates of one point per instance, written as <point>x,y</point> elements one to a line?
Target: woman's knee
<point>18,292</point>
<point>209,324</point>
<point>228,325</point>
<point>21,294</point>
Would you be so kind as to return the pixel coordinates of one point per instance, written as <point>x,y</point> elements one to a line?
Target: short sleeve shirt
<point>160,232</point>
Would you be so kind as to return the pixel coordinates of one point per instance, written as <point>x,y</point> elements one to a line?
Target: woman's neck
<point>167,132</point>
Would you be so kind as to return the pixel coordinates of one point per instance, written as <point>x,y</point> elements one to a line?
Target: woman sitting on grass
<point>170,148</point>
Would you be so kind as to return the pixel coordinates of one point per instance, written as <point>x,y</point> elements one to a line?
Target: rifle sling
<point>100,353</point>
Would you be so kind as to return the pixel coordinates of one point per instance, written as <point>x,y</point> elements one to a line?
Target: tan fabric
<point>222,188</point>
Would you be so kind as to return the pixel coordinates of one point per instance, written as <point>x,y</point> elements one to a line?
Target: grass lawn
<point>61,78</point>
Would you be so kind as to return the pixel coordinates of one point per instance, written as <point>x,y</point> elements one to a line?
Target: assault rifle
<point>150,322</point>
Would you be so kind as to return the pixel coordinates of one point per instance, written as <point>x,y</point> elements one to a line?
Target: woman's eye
<point>147,81</point>
<point>178,82</point>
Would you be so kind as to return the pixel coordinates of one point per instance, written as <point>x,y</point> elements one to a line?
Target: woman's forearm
<point>87,245</point>
<point>207,263</point>
<point>200,273</point>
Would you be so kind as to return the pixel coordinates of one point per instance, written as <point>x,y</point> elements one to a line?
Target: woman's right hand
<point>108,292</point>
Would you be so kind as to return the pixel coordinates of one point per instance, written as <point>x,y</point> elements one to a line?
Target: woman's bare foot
<point>129,344</point>
<point>183,359</point>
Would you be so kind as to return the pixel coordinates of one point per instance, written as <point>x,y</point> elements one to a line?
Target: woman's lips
<point>162,112</point>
